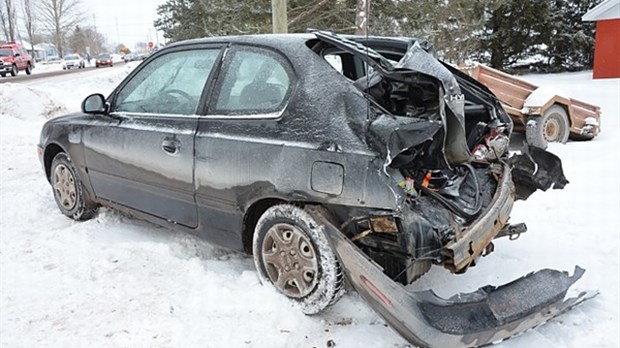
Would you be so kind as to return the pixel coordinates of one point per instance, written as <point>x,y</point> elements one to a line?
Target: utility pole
<point>279,16</point>
<point>361,17</point>
<point>118,38</point>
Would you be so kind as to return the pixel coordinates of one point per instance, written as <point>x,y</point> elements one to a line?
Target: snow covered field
<point>115,281</point>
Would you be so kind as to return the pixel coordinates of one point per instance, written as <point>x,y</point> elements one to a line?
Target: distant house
<point>44,51</point>
<point>41,52</point>
<point>607,41</point>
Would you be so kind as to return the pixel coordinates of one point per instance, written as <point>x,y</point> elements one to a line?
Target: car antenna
<point>366,8</point>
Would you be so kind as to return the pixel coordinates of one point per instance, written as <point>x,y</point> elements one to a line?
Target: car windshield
<point>71,57</point>
<point>5,53</point>
<point>103,56</point>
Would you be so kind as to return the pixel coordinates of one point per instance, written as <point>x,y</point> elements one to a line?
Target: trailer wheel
<point>552,127</point>
<point>292,252</point>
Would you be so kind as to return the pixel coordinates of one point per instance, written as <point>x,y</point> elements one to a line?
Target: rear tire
<point>29,69</point>
<point>552,127</point>
<point>68,189</point>
<point>3,74</point>
<point>292,252</point>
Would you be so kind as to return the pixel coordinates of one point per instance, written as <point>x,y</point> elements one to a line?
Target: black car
<point>270,143</point>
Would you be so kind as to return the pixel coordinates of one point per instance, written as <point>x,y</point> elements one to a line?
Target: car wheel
<point>13,70</point>
<point>68,190</point>
<point>28,69</point>
<point>292,252</point>
<point>3,74</point>
<point>551,127</point>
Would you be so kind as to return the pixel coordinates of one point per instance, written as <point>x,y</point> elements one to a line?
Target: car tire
<point>68,189</point>
<point>28,69</point>
<point>14,70</point>
<point>3,74</point>
<point>292,253</point>
<point>551,127</point>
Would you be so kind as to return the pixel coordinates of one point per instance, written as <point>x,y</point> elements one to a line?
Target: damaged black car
<point>330,159</point>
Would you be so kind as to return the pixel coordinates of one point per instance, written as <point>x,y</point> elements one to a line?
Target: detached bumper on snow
<point>488,315</point>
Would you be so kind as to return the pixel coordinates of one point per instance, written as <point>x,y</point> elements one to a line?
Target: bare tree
<point>8,19</point>
<point>59,17</point>
<point>28,8</point>
<point>3,21</point>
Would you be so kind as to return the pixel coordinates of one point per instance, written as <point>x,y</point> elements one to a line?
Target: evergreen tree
<point>571,44</point>
<point>515,30</point>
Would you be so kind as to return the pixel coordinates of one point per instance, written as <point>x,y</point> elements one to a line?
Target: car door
<point>233,146</point>
<point>142,155</point>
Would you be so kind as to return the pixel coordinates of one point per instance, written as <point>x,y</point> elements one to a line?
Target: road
<point>22,77</point>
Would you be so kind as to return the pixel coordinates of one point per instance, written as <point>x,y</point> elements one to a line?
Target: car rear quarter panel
<point>241,161</point>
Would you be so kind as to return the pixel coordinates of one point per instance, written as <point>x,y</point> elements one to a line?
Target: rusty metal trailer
<point>543,114</point>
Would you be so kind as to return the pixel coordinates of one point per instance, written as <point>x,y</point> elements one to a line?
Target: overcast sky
<point>133,18</point>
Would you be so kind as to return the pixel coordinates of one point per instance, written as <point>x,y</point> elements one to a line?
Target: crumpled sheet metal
<point>486,316</point>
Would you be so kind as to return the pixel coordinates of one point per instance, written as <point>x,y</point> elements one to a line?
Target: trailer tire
<point>292,252</point>
<point>551,127</point>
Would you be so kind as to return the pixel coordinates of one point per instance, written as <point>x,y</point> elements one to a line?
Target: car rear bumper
<point>475,239</point>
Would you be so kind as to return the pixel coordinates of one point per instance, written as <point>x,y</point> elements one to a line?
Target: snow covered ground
<point>115,281</point>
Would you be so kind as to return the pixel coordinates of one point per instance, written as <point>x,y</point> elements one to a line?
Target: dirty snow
<point>116,281</point>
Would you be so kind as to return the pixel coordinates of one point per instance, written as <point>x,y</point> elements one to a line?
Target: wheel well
<point>48,156</point>
<point>251,217</point>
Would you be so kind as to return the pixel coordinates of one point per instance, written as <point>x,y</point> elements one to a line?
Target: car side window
<point>170,84</point>
<point>255,81</point>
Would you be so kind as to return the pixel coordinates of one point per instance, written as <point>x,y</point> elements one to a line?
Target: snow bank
<point>28,103</point>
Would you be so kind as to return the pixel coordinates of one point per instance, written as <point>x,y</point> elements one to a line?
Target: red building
<point>607,41</point>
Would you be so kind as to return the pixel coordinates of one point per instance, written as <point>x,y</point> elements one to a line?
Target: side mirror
<point>94,104</point>
<point>17,55</point>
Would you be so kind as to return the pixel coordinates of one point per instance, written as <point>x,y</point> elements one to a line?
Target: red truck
<point>13,58</point>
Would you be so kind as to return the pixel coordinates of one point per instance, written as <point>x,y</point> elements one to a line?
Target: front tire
<point>14,70</point>
<point>68,189</point>
<point>292,252</point>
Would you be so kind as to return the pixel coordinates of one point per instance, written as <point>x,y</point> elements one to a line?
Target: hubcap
<point>552,129</point>
<point>290,260</point>
<point>64,187</point>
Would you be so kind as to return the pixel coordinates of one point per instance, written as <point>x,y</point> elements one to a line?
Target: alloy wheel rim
<point>64,187</point>
<point>290,260</point>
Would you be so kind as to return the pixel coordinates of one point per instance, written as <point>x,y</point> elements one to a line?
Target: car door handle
<point>171,146</point>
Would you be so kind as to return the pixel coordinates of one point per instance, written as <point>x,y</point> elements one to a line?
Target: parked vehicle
<point>73,61</point>
<point>544,115</point>
<point>104,59</point>
<point>14,58</point>
<point>53,60</point>
<point>130,57</point>
<point>282,146</point>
